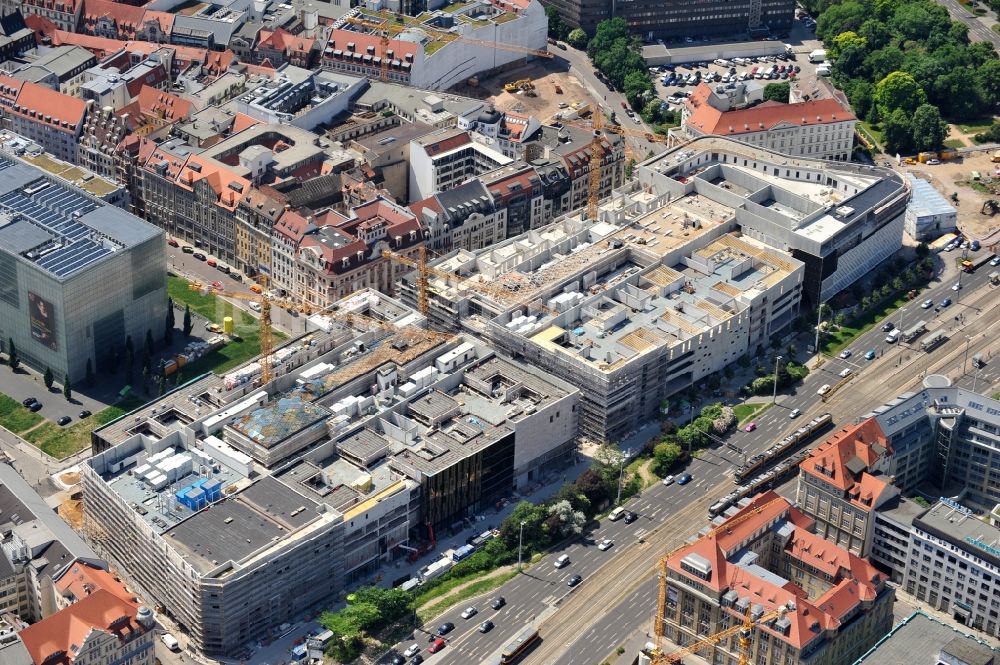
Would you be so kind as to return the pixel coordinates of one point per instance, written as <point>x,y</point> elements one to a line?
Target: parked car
<point>469,612</point>
<point>416,660</point>
<point>605,545</point>
<point>668,480</point>
<point>436,645</point>
<point>28,401</point>
<point>187,249</point>
<point>498,602</point>
<point>750,427</point>
<point>65,420</point>
<point>84,414</point>
<point>199,256</point>
<point>35,406</point>
<point>211,262</point>
<point>684,479</point>
<point>573,581</point>
<point>486,626</point>
<point>173,243</point>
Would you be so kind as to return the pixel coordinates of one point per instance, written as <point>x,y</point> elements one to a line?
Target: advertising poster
<point>42,315</point>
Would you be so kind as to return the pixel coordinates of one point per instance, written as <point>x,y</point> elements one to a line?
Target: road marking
<point>641,532</point>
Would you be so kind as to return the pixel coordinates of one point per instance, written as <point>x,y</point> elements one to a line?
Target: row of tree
<point>617,54</point>
<point>904,63</point>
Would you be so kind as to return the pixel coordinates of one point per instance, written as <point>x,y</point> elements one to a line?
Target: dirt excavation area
<point>958,176</point>
<point>551,88</point>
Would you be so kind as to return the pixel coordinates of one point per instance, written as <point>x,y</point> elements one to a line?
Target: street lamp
<point>968,340</point>
<point>819,321</point>
<point>774,395</point>
<point>520,540</point>
<point>975,381</point>
<point>621,473</point>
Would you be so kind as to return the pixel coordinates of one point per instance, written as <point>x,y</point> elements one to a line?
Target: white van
<point>171,643</point>
<point>616,514</point>
<point>562,561</point>
<point>893,336</point>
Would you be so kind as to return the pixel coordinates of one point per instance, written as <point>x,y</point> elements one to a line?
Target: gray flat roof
<point>921,639</point>
<point>59,228</point>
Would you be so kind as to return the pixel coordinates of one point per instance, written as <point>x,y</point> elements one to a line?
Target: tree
<point>12,358</point>
<point>568,521</point>
<point>899,91</point>
<point>533,517</point>
<point>897,129</point>
<point>777,92</point>
<point>665,455</point>
<point>848,39</point>
<point>557,29</point>
<point>929,130</point>
<point>162,385</point>
<point>608,459</point>
<point>958,94</point>
<point>67,388</point>
<point>577,38</point>
<point>635,84</point>
<point>168,329</point>
<point>591,486</point>
<point>90,374</point>
<point>629,169</point>
<point>988,76</point>
<point>48,378</point>
<point>883,62</point>
<point>188,326</point>
<point>875,33</point>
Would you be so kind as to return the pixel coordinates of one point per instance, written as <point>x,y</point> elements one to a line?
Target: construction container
<point>227,325</point>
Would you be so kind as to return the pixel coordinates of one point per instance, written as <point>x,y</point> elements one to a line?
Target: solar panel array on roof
<point>57,209</point>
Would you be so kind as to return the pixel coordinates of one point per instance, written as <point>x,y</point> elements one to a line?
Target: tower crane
<point>661,658</point>
<point>596,155</point>
<point>744,629</point>
<point>424,271</point>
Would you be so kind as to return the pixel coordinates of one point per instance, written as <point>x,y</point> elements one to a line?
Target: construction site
<point>973,180</point>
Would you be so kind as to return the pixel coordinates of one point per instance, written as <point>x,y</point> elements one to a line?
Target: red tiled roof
<point>82,579</point>
<point>157,76</point>
<point>243,121</point>
<point>227,185</point>
<point>282,40</point>
<point>828,462</point>
<point>163,104</point>
<point>43,105</point>
<point>127,18</point>
<point>430,203</point>
<point>366,44</point>
<point>68,628</point>
<point>165,19</point>
<point>448,142</point>
<point>65,6</point>
<point>41,25</point>
<point>763,117</point>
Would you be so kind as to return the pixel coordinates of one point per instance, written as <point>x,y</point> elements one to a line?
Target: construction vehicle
<point>947,153</point>
<point>990,207</point>
<point>519,85</point>
<point>996,157</point>
<point>745,629</point>
<point>558,89</point>
<point>909,160</point>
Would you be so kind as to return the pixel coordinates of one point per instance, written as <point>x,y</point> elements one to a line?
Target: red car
<point>173,243</point>
<point>217,285</point>
<point>436,645</point>
<point>751,427</point>
<point>211,262</point>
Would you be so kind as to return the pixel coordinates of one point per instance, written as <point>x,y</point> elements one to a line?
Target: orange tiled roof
<point>763,117</point>
<point>366,44</point>
<point>127,18</point>
<point>82,579</point>
<point>68,628</point>
<point>163,104</point>
<point>829,462</point>
<point>42,105</point>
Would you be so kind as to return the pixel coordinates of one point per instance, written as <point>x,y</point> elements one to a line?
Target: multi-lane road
<point>979,30</point>
<point>618,593</point>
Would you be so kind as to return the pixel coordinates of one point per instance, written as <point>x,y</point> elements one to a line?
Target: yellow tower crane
<point>744,629</point>
<point>596,157</point>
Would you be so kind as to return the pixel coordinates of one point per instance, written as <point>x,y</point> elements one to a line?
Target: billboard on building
<point>42,315</point>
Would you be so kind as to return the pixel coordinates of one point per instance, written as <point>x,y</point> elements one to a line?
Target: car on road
<point>35,406</point>
<point>751,427</point>
<point>957,286</point>
<point>411,650</point>
<point>887,327</point>
<point>436,645</point>
<point>927,304</point>
<point>684,479</point>
<point>995,261</point>
<point>199,256</point>
<point>498,602</point>
<point>605,545</point>
<point>416,660</point>
<point>870,355</point>
<point>795,413</point>
<point>173,243</point>
<point>630,517</point>
<point>824,389</point>
<point>445,628</point>
<point>398,659</point>
<point>187,249</point>
<point>573,581</point>
<point>668,480</point>
<point>486,626</point>
<point>844,373</point>
<point>846,353</point>
<point>469,612</point>
<point>65,420</point>
<point>84,414</point>
<point>254,305</point>
<point>28,401</point>
<point>217,285</point>
<point>946,302</point>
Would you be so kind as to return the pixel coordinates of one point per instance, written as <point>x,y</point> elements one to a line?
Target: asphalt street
<point>979,29</point>
<point>595,628</point>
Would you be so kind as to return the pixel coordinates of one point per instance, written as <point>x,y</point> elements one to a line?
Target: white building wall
<point>861,259</point>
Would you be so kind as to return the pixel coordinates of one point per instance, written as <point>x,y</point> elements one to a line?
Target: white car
<point>844,373</point>
<point>824,389</point>
<point>605,545</point>
<point>995,261</point>
<point>668,480</point>
<point>411,651</point>
<point>956,286</point>
<point>795,413</point>
<point>933,162</point>
<point>469,612</point>
<point>255,306</point>
<point>927,304</point>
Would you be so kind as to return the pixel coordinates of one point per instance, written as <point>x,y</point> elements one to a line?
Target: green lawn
<point>870,132</point>
<point>954,143</point>
<point>15,417</point>
<point>745,412</point>
<point>848,333</point>
<point>474,589</point>
<point>976,126</point>
<point>59,442</point>
<point>237,351</point>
